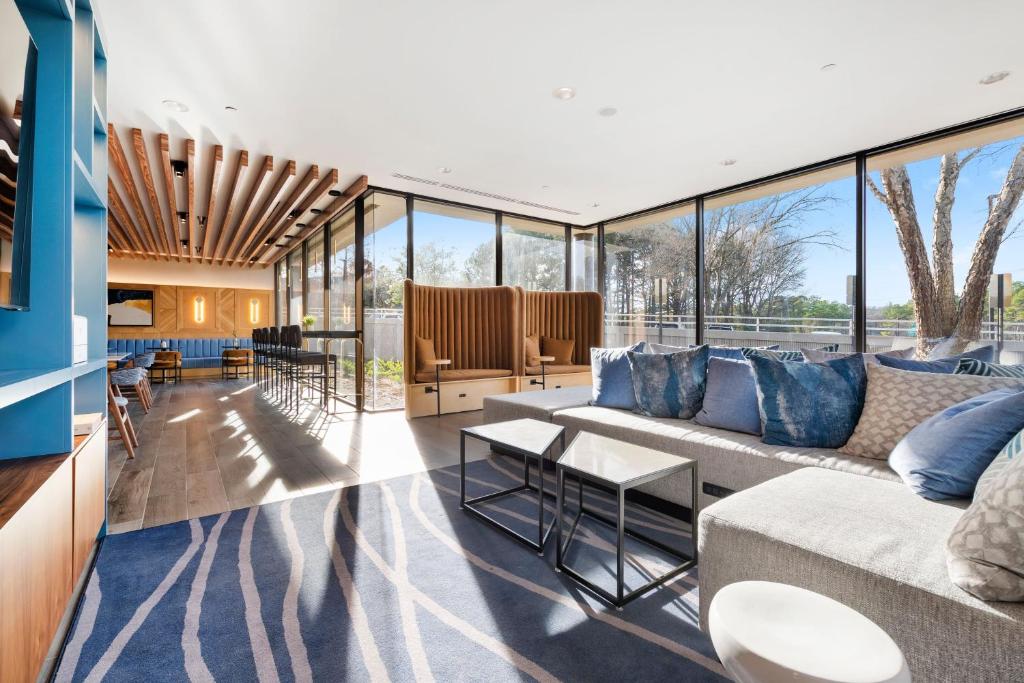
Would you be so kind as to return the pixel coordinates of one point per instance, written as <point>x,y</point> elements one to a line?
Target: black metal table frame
<point>329,389</point>
<point>470,505</point>
<point>621,598</point>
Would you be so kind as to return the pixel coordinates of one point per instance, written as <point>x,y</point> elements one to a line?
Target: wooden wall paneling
<point>90,500</point>
<point>142,159</point>
<point>269,228</point>
<point>172,200</point>
<point>166,314</point>
<point>256,220</point>
<point>314,195</point>
<point>187,309</point>
<point>240,166</point>
<point>262,173</point>
<point>190,194</point>
<point>211,200</point>
<point>119,211</point>
<point>244,323</point>
<point>120,163</point>
<point>35,562</point>
<point>227,307</point>
<point>226,311</point>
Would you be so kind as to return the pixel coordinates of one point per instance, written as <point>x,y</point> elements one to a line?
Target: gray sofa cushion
<point>540,405</point>
<point>735,461</point>
<point>875,546</point>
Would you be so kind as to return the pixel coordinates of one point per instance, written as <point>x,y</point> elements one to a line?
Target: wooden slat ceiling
<point>200,203</point>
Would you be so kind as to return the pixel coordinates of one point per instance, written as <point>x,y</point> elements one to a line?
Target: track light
<point>179,167</point>
<point>334,193</point>
<point>182,216</point>
<point>316,211</point>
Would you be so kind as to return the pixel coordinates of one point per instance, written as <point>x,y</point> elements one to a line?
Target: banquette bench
<point>199,357</point>
<point>566,324</point>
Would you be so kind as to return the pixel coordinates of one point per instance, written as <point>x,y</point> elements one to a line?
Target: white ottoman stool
<point>766,632</point>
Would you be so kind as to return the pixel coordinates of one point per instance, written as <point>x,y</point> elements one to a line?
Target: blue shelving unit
<point>40,388</point>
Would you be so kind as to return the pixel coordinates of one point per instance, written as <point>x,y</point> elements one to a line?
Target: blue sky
<point>826,268</point>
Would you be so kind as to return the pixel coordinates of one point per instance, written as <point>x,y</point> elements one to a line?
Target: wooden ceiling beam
<point>120,212</point>
<point>211,200</point>
<point>311,198</point>
<point>142,159</point>
<point>172,200</point>
<point>334,208</point>
<point>190,194</point>
<point>281,213</point>
<point>233,184</point>
<point>115,233</point>
<point>256,220</point>
<point>262,173</point>
<point>120,163</point>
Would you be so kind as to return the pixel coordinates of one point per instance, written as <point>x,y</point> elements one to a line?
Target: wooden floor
<point>210,445</point>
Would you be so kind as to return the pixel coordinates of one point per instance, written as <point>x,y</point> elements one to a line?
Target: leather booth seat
<point>459,375</point>
<point>195,353</point>
<point>552,369</point>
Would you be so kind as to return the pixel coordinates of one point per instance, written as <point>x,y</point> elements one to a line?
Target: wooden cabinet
<point>35,559</point>
<point>90,464</point>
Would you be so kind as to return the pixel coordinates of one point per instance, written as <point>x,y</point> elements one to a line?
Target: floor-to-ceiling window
<point>532,254</point>
<point>281,287</point>
<point>295,287</point>
<point>650,278</point>
<point>945,227</point>
<point>315,283</point>
<point>385,247</point>
<point>780,262</point>
<point>342,297</point>
<point>584,260</point>
<point>454,246</point>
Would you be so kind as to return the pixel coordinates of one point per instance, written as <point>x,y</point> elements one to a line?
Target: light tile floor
<point>210,445</point>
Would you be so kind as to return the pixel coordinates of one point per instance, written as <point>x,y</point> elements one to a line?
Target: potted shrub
<point>308,321</point>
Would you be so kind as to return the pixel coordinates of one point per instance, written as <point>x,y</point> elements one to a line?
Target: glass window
<point>453,246</point>
<point>532,254</point>
<point>780,262</point>
<point>944,223</point>
<point>584,260</point>
<point>281,283</point>
<point>384,247</point>
<point>315,279</point>
<point>342,297</point>
<point>650,278</point>
<point>295,287</point>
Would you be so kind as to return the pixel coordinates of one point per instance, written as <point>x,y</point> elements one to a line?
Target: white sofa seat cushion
<point>729,459</point>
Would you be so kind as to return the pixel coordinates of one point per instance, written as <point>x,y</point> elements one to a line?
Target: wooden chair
<point>167,360</point>
<point>117,406</point>
<point>134,380</point>
<point>237,360</point>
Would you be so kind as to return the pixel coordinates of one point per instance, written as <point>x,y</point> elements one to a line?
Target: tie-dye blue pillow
<point>813,405</point>
<point>669,384</point>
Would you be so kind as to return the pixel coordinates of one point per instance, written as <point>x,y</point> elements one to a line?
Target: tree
<point>939,311</point>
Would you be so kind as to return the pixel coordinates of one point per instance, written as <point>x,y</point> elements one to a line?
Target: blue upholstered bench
<point>195,353</point>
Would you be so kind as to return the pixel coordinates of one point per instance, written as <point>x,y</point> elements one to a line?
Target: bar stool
<point>133,380</point>
<point>117,406</point>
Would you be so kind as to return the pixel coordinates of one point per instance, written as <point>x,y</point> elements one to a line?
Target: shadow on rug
<point>383,581</point>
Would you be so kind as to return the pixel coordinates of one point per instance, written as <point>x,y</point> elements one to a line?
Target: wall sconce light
<point>199,309</point>
<point>254,311</point>
<point>346,314</point>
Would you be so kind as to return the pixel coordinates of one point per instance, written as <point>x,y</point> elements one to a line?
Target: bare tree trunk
<point>972,301</point>
<point>942,241</point>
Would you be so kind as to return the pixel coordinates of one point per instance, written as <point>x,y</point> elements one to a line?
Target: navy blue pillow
<point>612,380</point>
<point>813,405</point>
<point>944,456</point>
<point>669,384</point>
<point>730,399</point>
<point>986,354</point>
<point>945,366</point>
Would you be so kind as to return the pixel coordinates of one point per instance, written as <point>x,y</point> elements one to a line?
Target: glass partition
<point>780,261</point>
<point>385,246</point>
<point>315,284</point>
<point>584,260</point>
<point>295,287</point>
<point>342,296</point>
<point>454,246</point>
<point>281,284</point>
<point>650,278</point>
<point>532,254</point>
<point>945,248</point>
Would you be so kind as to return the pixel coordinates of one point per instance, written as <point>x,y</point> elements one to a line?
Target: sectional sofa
<point>841,525</point>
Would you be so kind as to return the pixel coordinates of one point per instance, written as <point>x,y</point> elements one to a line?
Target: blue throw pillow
<point>945,366</point>
<point>669,384</point>
<point>730,399</point>
<point>813,405</point>
<point>944,456</point>
<point>612,380</point>
<point>795,356</point>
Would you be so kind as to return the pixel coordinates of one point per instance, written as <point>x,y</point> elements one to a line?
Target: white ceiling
<point>385,87</point>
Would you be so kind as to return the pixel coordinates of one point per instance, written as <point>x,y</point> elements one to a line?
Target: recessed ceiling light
<point>175,105</point>
<point>316,211</point>
<point>334,193</point>
<point>443,169</point>
<point>297,225</point>
<point>994,77</point>
<point>828,67</point>
<point>595,205</point>
<point>230,107</point>
<point>728,162</point>
<point>564,93</point>
<point>545,187</point>
<point>607,111</point>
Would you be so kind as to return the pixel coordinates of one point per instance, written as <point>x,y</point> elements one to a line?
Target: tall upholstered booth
<point>478,330</point>
<point>562,325</point>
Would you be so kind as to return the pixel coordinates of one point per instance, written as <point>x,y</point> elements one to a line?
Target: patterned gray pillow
<point>985,552</point>
<point>899,400</point>
<point>820,355</point>
<point>973,366</point>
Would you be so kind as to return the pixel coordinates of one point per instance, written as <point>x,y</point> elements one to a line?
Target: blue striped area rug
<point>382,581</point>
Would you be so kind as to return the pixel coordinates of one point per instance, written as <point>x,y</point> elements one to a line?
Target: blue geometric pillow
<point>795,356</point>
<point>944,366</point>
<point>669,384</point>
<point>1013,449</point>
<point>612,380</point>
<point>814,405</point>
<point>973,366</point>
<point>944,456</point>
